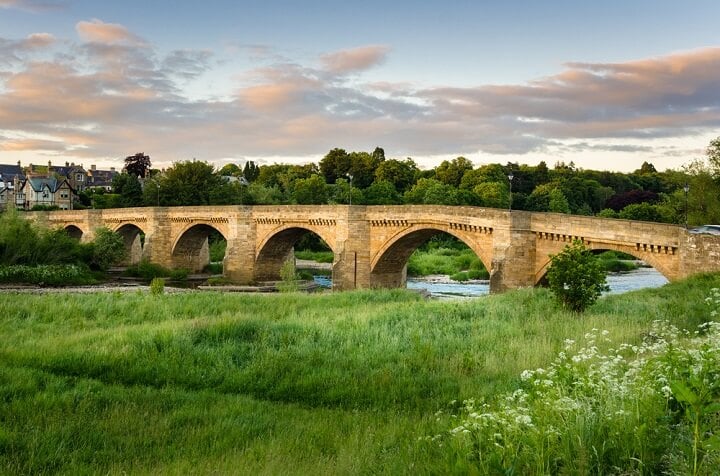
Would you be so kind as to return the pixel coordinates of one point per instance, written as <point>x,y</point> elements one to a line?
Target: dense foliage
<point>363,178</point>
<point>576,277</point>
<point>33,254</point>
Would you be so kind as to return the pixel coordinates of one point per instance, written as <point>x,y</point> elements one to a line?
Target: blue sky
<point>607,85</point>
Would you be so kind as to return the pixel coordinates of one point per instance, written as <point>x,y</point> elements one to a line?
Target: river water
<point>441,287</point>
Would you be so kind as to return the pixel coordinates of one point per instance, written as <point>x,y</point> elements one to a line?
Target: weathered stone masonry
<point>373,243</point>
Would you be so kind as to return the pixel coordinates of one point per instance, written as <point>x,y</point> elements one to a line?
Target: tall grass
<point>306,384</point>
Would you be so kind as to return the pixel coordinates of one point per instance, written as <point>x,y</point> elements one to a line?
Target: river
<point>441,287</point>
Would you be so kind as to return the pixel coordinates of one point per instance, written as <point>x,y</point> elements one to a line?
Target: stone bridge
<point>372,244</point>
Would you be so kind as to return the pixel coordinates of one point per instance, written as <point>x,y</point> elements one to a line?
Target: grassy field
<point>344,383</point>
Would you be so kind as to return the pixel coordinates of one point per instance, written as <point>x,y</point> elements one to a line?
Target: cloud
<point>97,31</point>
<point>32,6</point>
<point>354,60</point>
<point>113,93</point>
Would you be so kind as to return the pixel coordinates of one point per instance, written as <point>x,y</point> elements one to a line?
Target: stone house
<point>11,177</point>
<point>45,191</point>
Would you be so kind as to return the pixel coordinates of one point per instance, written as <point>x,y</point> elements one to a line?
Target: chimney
<point>93,168</point>
<point>72,164</point>
<point>112,169</point>
<point>49,165</point>
<point>19,164</point>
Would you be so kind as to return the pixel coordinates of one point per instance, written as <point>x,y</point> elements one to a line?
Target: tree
<point>336,164</point>
<point>713,155</point>
<point>311,191</point>
<point>129,188</point>
<point>108,248</point>
<point>185,183</point>
<point>137,165</point>
<point>250,171</point>
<point>493,194</point>
<point>576,277</point>
<point>558,203</point>
<point>230,170</point>
<point>400,173</point>
<point>451,173</point>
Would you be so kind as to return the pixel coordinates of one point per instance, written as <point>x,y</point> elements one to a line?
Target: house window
<point>63,195</point>
<point>79,177</point>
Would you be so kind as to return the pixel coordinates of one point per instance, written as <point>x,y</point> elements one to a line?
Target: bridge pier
<point>513,254</point>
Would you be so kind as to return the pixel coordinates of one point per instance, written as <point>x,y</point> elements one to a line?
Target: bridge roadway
<point>372,244</point>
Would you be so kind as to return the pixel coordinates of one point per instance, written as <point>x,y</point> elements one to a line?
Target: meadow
<point>344,383</point>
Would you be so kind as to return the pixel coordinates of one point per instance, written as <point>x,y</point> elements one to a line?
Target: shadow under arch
<point>388,268</point>
<point>597,248</point>
<point>74,232</point>
<point>278,247</point>
<point>191,250</point>
<point>133,237</point>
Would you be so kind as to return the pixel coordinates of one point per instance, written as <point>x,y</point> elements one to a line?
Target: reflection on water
<point>618,282</point>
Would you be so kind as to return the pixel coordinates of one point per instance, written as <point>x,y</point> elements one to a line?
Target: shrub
<point>288,277</point>
<point>108,249</point>
<point>157,286</point>
<point>50,275</point>
<point>147,270</point>
<point>576,277</point>
<point>214,268</point>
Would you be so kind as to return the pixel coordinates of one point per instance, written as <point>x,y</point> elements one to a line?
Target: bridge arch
<point>191,249</point>
<point>654,260</point>
<point>74,231</point>
<point>133,236</point>
<point>388,268</point>
<point>278,245</point>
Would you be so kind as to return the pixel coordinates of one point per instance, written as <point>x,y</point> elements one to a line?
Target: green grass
<point>276,384</point>
<point>449,261</point>
<point>319,256</point>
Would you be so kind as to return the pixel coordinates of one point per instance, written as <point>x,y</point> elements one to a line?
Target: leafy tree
<point>713,155</point>
<point>619,201</point>
<point>381,193</point>
<point>493,194</point>
<point>451,173</point>
<point>704,194</point>
<point>311,191</point>
<point>646,212</point>
<point>431,191</point>
<point>576,277</point>
<point>107,200</point>
<point>108,248</point>
<point>186,183</point>
<point>400,173</point>
<point>250,171</point>
<point>129,188</point>
<point>378,154</point>
<point>557,202</point>
<point>138,164</point>
<point>230,170</point>
<point>336,164</point>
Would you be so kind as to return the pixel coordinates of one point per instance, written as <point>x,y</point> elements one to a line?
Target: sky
<point>607,85</point>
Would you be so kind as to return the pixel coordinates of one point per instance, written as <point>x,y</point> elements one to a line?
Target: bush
<point>49,275</point>
<point>214,268</point>
<point>576,277</point>
<point>148,271</point>
<point>157,286</point>
<point>108,249</point>
<point>288,277</point>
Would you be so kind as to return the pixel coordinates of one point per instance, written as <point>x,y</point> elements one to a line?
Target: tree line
<point>691,194</point>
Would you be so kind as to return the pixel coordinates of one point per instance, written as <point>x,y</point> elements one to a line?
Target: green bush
<point>157,286</point>
<point>108,249</point>
<point>217,250</point>
<point>148,271</point>
<point>576,277</point>
<point>214,268</point>
<point>49,275</point>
